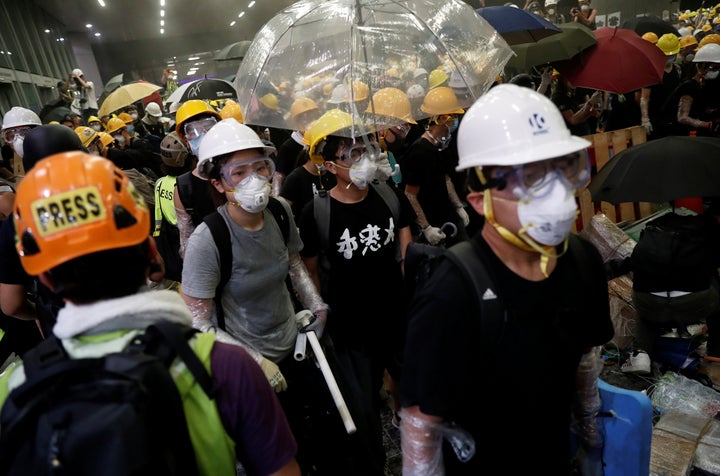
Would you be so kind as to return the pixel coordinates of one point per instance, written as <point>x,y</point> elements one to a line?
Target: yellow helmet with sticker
<point>73,204</point>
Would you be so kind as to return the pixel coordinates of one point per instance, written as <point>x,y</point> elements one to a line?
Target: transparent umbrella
<point>357,47</point>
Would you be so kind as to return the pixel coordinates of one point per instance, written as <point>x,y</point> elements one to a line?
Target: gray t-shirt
<point>258,309</point>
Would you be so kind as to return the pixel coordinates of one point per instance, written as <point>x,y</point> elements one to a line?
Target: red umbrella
<point>620,62</point>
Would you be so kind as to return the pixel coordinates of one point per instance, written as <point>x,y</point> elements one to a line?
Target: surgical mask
<point>17,145</point>
<point>548,218</point>
<point>119,139</point>
<point>584,7</point>
<point>453,127</point>
<point>96,127</point>
<point>252,193</point>
<point>712,75</point>
<point>551,11</point>
<point>195,145</point>
<point>134,116</point>
<point>130,129</point>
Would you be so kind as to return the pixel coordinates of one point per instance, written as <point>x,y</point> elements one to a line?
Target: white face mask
<point>708,75</point>
<point>134,116</point>
<point>363,172</point>
<point>119,139</point>
<point>253,193</point>
<point>551,11</point>
<point>585,7</point>
<point>96,127</point>
<point>549,219</point>
<point>17,145</point>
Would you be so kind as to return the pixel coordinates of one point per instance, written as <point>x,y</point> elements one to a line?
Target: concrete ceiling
<point>131,41</point>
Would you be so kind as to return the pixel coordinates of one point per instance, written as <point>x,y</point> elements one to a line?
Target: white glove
<point>273,374</point>
<point>433,235</point>
<point>463,215</point>
<point>384,170</point>
<point>647,125</point>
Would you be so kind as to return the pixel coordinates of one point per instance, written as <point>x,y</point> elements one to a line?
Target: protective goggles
<point>358,150</point>
<point>531,180</point>
<point>11,134</point>
<point>235,172</point>
<point>198,128</point>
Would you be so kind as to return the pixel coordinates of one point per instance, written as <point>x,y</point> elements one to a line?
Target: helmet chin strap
<point>521,240</point>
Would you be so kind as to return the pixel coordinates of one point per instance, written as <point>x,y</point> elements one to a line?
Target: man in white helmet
<point>15,125</point>
<point>85,102</point>
<point>498,371</point>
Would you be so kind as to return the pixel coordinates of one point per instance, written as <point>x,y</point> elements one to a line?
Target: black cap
<point>46,140</point>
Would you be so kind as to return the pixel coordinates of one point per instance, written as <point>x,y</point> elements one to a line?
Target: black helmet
<point>48,139</point>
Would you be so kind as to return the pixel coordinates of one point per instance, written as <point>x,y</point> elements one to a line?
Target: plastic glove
<point>273,374</point>
<point>433,235</point>
<point>647,125</point>
<point>384,170</point>
<point>463,215</point>
<point>317,324</point>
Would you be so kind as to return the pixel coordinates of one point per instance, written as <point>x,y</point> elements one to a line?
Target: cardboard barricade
<point>604,146</point>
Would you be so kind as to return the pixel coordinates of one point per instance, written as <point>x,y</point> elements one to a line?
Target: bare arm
<point>14,303</point>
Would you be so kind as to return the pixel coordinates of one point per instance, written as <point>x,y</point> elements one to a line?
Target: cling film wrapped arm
<point>201,310</point>
<point>587,399</point>
<point>421,439</point>
<point>184,224</point>
<point>304,286</point>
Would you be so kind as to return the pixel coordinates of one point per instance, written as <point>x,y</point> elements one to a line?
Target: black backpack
<point>221,236</point>
<point>116,415</point>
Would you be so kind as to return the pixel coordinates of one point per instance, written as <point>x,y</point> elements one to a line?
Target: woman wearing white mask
<point>256,303</point>
<point>585,14</point>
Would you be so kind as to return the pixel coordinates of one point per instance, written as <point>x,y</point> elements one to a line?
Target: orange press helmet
<point>73,204</point>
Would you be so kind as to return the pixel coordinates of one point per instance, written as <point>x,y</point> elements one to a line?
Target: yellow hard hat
<point>86,134</point>
<point>669,43</point>
<point>711,38</point>
<point>706,27</point>
<point>114,124</point>
<point>92,119</point>
<point>190,109</point>
<point>392,102</point>
<point>106,138</point>
<point>688,40</point>
<point>232,109</point>
<point>437,77</point>
<point>301,105</point>
<point>270,101</point>
<point>441,100</point>
<point>651,37</point>
<point>329,123</point>
<point>125,117</point>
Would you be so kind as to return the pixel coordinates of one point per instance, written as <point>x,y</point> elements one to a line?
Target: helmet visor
<point>531,180</point>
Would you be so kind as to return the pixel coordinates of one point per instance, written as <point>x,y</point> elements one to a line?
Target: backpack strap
<point>468,257</point>
<point>176,337</point>
<point>221,235</point>
<point>184,185</point>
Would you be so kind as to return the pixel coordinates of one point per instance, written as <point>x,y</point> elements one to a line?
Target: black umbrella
<point>646,23</point>
<point>207,89</point>
<point>660,170</point>
<point>57,114</point>
<point>232,51</point>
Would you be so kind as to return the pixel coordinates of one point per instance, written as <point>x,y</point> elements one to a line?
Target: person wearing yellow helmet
<point>303,112</point>
<point>653,97</point>
<point>441,216</point>
<point>353,206</point>
<point>688,46</point>
<point>94,123</point>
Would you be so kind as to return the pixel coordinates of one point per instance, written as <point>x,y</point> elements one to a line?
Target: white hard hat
<point>153,110</point>
<point>339,94</point>
<point>174,106</point>
<point>415,92</point>
<point>77,72</point>
<point>225,137</point>
<point>684,31</point>
<point>550,2</point>
<point>19,116</point>
<point>512,125</point>
<point>709,53</point>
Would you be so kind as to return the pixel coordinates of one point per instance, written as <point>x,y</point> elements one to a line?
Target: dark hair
<point>102,275</point>
<point>523,79</point>
<point>46,140</point>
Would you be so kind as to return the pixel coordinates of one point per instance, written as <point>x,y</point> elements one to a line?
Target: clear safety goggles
<point>531,180</point>
<point>235,172</point>
<point>198,128</point>
<point>359,150</point>
<point>11,134</point>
